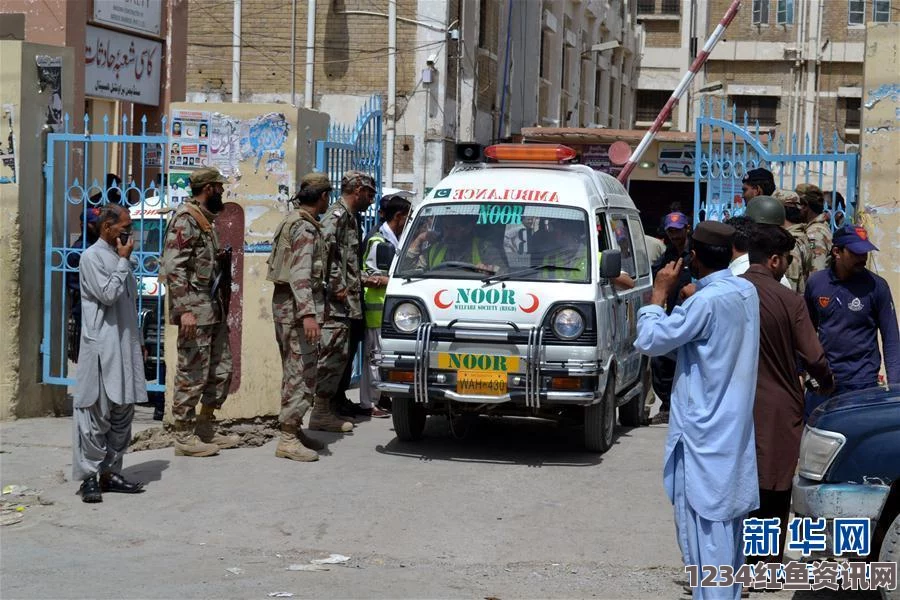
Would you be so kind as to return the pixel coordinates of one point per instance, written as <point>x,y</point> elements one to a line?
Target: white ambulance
<point>502,298</point>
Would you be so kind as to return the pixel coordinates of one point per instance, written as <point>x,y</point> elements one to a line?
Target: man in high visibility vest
<point>573,253</point>
<point>394,214</point>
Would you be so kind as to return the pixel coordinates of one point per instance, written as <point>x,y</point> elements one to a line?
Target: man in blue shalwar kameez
<point>710,465</point>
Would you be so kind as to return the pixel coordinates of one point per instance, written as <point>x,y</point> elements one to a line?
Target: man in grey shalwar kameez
<point>110,374</point>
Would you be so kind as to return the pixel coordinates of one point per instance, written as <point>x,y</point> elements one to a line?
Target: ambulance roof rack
<point>546,153</point>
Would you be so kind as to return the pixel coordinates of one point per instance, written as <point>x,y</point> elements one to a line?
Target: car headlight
<point>568,324</point>
<point>407,317</point>
<point>818,448</point>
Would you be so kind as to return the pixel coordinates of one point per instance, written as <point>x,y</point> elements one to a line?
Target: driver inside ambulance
<point>457,241</point>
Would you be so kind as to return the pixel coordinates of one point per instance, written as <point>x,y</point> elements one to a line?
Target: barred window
<point>671,7</point>
<point>852,118</point>
<point>760,12</point>
<point>646,7</point>
<point>649,103</point>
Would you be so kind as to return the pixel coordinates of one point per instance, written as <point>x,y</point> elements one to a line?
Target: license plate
<point>478,362</point>
<point>480,383</point>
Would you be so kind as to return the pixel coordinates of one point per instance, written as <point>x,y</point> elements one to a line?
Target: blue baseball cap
<point>93,214</point>
<point>854,238</point>
<point>676,220</point>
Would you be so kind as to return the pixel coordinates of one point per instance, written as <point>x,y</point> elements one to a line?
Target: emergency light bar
<point>529,153</point>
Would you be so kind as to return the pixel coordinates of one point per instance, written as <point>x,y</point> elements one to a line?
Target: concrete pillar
<point>879,176</point>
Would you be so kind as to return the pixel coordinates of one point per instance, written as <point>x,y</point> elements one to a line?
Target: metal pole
<point>236,54</point>
<point>294,52</point>
<point>391,112</point>
<point>679,91</point>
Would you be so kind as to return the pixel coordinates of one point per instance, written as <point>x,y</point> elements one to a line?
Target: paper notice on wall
<point>50,81</point>
<point>225,144</point>
<point>189,139</point>
<point>8,147</point>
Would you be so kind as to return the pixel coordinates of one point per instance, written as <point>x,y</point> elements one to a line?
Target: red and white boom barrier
<point>679,91</point>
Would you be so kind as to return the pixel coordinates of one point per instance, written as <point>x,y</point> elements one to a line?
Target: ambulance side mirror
<point>610,264</point>
<point>384,256</point>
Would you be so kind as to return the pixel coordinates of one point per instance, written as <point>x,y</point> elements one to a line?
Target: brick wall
<point>834,22</point>
<point>487,83</point>
<point>663,34</point>
<point>351,50</point>
<point>404,146</point>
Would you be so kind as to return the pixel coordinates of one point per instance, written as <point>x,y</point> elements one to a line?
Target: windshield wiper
<point>545,267</point>
<point>450,264</point>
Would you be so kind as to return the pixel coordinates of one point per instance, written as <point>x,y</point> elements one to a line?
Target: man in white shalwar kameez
<point>110,374</point>
<point>710,465</point>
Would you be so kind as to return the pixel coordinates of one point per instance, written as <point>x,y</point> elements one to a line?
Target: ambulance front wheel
<point>409,419</point>
<point>600,420</point>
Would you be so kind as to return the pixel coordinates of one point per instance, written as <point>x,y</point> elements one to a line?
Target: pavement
<point>514,510</point>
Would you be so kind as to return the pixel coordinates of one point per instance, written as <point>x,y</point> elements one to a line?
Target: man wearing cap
<point>786,334</point>
<point>297,268</point>
<point>850,305</point>
<point>818,225</point>
<point>710,465</point>
<point>662,368</point>
<point>798,269</point>
<point>344,328</point>
<point>189,265</point>
<point>757,182</point>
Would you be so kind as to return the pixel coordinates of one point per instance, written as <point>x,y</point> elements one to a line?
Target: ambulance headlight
<point>407,317</point>
<point>568,324</point>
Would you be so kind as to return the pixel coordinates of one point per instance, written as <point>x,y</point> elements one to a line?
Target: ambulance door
<point>628,300</point>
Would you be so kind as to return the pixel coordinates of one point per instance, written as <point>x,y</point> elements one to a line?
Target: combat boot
<point>206,431</point>
<point>322,419</point>
<point>188,444</point>
<point>289,446</point>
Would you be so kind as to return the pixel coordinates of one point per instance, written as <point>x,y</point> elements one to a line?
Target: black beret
<point>714,233</point>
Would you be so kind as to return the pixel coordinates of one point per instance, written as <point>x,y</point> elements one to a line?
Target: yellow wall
<point>879,180</point>
<point>255,187</point>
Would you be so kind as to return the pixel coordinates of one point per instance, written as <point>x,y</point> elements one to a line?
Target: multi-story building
<point>447,70</point>
<point>794,66</point>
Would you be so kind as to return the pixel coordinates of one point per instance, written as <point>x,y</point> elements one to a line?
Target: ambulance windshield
<point>469,241</point>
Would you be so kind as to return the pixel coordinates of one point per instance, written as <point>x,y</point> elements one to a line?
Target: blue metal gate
<point>726,149</point>
<point>355,147</point>
<point>78,180</point>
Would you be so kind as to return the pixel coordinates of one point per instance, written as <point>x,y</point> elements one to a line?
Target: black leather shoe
<point>114,482</point>
<point>90,490</point>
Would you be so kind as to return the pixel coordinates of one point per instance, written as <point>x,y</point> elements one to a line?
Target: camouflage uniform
<point>798,271</point>
<point>188,267</point>
<point>818,230</point>
<point>819,234</point>
<point>302,295</point>
<point>341,229</point>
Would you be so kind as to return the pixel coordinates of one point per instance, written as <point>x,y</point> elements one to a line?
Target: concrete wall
<point>255,188</point>
<point>879,185</point>
<point>22,229</point>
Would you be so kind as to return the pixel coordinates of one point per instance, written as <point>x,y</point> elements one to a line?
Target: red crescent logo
<point>437,300</point>
<point>534,305</point>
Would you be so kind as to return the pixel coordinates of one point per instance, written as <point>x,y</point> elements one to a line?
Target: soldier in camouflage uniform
<point>343,296</point>
<point>188,267</point>
<point>798,270</point>
<point>818,225</point>
<point>297,268</point>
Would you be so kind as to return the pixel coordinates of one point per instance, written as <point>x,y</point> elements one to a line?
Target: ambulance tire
<point>890,552</point>
<point>409,419</point>
<point>600,420</point>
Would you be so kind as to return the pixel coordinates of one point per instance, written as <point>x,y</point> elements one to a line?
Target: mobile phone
<point>124,237</point>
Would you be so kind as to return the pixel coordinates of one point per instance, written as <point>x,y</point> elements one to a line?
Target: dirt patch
<point>253,432</point>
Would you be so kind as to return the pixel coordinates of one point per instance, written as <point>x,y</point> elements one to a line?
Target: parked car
<point>850,467</point>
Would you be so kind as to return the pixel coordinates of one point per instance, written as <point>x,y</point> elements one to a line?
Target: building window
<point>852,118</point>
<point>759,109</point>
<point>881,12</point>
<point>857,12</point>
<point>785,14</point>
<point>646,7</point>
<point>650,103</point>
<point>760,12</point>
<point>671,7</point>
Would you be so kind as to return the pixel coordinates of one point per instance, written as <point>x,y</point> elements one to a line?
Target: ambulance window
<point>640,246</point>
<point>602,236</point>
<point>619,226</point>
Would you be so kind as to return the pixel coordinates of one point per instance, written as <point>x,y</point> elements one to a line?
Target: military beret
<point>713,233</point>
<point>315,179</point>
<point>355,179</point>
<point>810,194</point>
<point>206,175</point>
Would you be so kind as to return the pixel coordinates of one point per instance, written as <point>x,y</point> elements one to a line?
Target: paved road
<point>515,510</point>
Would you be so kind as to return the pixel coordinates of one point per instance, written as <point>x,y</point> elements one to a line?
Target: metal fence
<point>78,172</point>
<point>728,145</point>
